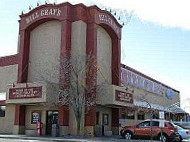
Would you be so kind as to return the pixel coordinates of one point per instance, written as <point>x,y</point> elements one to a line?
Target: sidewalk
<point>71,138</point>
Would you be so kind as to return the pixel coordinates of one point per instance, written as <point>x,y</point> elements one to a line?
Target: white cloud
<point>170,13</point>
<point>7,47</point>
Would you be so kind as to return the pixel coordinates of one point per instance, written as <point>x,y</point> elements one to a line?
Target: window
<point>144,124</point>
<point>130,115</point>
<point>140,116</point>
<point>155,116</point>
<point>105,119</point>
<point>2,111</point>
<point>124,116</point>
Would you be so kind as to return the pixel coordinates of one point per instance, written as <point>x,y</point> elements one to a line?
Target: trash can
<point>55,130</point>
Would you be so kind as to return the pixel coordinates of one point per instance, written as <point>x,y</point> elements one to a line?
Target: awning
<point>173,108</point>
<point>176,109</point>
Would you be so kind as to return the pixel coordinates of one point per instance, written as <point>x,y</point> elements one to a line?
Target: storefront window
<point>155,116</point>
<point>140,115</point>
<point>130,115</point>
<point>124,116</point>
<point>2,111</point>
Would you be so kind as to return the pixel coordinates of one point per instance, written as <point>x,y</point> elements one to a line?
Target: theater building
<point>45,34</point>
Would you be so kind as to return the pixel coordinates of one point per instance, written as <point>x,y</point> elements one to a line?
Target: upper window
<point>2,111</point>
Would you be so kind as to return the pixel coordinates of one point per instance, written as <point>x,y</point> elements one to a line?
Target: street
<point>20,140</point>
<point>110,139</point>
<point>73,140</point>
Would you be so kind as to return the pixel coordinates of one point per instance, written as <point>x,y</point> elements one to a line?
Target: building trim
<point>9,60</point>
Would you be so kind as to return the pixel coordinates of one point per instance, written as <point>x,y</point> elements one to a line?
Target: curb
<point>38,138</point>
<point>62,139</point>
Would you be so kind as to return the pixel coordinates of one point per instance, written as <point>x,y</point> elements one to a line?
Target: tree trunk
<point>78,125</point>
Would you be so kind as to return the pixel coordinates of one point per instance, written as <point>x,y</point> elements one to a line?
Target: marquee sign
<point>25,93</point>
<point>131,78</point>
<point>43,13</point>
<point>107,19</point>
<point>123,97</point>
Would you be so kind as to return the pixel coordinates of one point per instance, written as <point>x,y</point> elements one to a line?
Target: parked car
<point>143,130</point>
<point>184,133</point>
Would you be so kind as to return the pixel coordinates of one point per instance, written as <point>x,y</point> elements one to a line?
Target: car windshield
<point>178,127</point>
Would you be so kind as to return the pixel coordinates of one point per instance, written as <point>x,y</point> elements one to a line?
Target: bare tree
<point>74,91</point>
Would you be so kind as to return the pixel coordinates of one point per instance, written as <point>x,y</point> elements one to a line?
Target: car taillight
<point>187,132</point>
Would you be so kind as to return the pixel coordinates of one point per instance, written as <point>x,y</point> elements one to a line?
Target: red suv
<point>143,130</point>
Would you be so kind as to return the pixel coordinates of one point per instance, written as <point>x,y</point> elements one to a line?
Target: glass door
<point>52,118</point>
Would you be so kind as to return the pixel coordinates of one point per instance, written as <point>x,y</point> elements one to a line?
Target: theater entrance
<point>52,118</point>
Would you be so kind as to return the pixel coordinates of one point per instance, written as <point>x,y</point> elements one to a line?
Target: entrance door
<point>52,116</point>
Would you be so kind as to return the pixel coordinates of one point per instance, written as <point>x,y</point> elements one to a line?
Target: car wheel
<point>181,139</point>
<point>128,135</point>
<point>163,138</point>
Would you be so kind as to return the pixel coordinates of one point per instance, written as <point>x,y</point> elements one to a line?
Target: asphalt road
<point>22,140</point>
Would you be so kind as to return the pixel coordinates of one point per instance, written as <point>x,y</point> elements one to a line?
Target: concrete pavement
<point>69,138</point>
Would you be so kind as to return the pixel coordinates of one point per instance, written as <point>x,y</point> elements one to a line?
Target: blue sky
<point>155,41</point>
